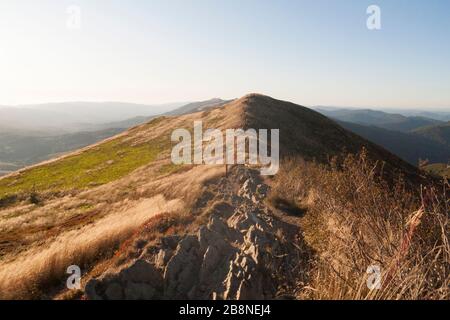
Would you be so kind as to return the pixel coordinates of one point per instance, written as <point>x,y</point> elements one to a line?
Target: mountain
<point>142,227</point>
<point>33,140</point>
<point>390,121</point>
<point>439,115</point>
<point>409,146</point>
<point>23,149</point>
<point>439,133</point>
<point>188,108</point>
<point>303,131</point>
<point>68,117</point>
<point>101,112</point>
<point>198,106</point>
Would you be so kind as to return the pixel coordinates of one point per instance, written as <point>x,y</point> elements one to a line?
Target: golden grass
<point>91,200</point>
<point>355,220</point>
<point>42,267</point>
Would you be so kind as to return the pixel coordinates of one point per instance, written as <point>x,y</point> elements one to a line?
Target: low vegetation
<point>438,169</point>
<point>43,265</point>
<point>96,166</point>
<point>355,220</point>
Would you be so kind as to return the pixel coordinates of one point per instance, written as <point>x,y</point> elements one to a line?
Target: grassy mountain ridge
<point>91,207</point>
<point>303,132</point>
<point>23,147</point>
<point>311,135</point>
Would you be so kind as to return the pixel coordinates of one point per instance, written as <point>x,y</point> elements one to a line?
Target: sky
<point>317,52</point>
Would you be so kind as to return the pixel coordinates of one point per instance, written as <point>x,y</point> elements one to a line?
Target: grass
<point>355,219</point>
<point>438,169</point>
<point>101,164</point>
<point>171,168</point>
<point>41,267</point>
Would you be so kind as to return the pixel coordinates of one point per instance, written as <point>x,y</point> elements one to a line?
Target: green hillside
<point>95,166</point>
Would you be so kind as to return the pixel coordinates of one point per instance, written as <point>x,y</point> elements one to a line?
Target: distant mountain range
<point>410,146</point>
<point>439,133</point>
<point>390,121</point>
<point>57,118</point>
<point>433,114</point>
<point>18,150</point>
<point>411,137</point>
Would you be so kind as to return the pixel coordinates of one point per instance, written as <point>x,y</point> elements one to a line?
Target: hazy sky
<point>147,51</point>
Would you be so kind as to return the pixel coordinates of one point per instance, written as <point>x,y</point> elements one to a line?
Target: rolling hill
<point>32,139</point>
<point>410,146</point>
<point>198,106</point>
<point>69,117</point>
<point>141,227</point>
<point>389,121</point>
<point>23,149</point>
<point>439,133</point>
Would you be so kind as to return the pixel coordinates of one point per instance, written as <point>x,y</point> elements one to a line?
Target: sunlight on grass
<point>99,165</point>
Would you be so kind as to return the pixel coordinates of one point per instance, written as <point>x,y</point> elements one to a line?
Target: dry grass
<point>355,220</point>
<point>43,267</point>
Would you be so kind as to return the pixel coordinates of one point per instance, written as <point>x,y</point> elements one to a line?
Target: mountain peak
<point>253,98</point>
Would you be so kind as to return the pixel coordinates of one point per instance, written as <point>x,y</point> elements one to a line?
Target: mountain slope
<point>84,208</point>
<point>185,109</point>
<point>22,149</point>
<point>198,106</point>
<point>408,146</point>
<point>306,133</point>
<point>439,133</point>
<point>390,121</point>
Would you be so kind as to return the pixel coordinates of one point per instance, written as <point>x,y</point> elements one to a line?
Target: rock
<point>170,241</point>
<point>91,291</point>
<point>163,258</point>
<point>247,189</point>
<point>231,257</point>
<point>142,272</point>
<point>139,291</point>
<point>218,225</point>
<point>114,291</point>
<point>182,270</point>
<point>243,221</point>
<point>243,281</point>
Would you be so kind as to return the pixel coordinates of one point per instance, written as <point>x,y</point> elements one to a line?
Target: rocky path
<point>244,252</point>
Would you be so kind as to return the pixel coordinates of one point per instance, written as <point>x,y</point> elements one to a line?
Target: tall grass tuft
<point>356,220</point>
